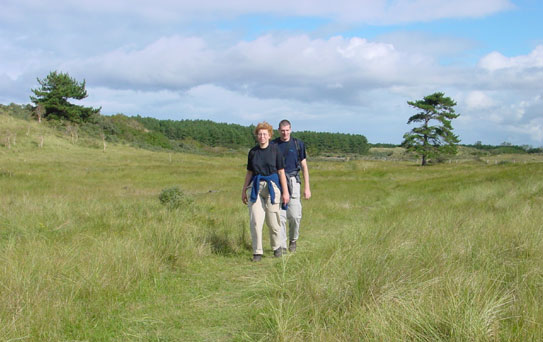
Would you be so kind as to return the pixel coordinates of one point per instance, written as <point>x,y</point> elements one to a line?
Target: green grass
<point>389,251</point>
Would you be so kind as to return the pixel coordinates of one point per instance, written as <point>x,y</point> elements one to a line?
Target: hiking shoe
<point>278,252</point>
<point>257,257</point>
<point>292,246</point>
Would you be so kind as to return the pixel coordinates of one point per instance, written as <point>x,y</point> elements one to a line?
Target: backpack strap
<point>298,159</point>
<point>297,147</point>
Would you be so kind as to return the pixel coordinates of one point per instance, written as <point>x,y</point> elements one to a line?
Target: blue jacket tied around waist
<point>274,177</point>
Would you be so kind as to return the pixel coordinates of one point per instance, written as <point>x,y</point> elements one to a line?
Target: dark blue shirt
<point>291,155</point>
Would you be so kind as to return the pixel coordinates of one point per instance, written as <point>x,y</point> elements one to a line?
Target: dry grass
<point>388,251</point>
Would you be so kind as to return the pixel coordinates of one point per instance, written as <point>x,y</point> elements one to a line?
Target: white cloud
<point>174,59</point>
<point>479,100</point>
<point>534,130</point>
<point>209,102</point>
<point>519,75</point>
<point>170,63</point>
<point>509,115</point>
<point>326,82</point>
<point>531,109</point>
<point>496,61</point>
<point>298,67</point>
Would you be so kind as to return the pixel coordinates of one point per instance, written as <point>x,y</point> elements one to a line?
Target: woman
<point>266,173</point>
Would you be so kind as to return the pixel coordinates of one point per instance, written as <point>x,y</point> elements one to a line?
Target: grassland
<point>389,251</point>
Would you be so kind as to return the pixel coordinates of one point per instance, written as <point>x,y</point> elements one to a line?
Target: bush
<point>174,198</point>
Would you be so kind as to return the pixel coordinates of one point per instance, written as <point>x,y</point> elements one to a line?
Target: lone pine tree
<point>53,95</point>
<point>434,136</point>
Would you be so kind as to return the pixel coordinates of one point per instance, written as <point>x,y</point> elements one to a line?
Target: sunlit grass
<point>389,251</point>
<point>449,253</point>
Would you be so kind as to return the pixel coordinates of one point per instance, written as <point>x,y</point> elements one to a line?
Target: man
<point>293,150</point>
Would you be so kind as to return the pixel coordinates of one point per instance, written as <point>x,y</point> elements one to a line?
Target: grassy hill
<point>388,250</point>
<point>196,136</point>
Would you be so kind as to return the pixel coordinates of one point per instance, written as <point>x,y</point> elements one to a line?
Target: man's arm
<point>305,173</point>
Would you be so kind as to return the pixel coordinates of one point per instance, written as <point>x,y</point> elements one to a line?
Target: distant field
<point>389,251</point>
<point>465,154</point>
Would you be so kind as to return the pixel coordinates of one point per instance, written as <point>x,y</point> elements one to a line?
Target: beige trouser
<point>262,209</point>
<point>292,216</point>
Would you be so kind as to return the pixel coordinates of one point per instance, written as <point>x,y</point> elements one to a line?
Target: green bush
<point>174,198</point>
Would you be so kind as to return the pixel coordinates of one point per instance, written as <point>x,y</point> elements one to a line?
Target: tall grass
<point>450,254</point>
<point>388,251</point>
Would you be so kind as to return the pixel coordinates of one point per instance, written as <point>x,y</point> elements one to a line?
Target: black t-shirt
<point>265,161</point>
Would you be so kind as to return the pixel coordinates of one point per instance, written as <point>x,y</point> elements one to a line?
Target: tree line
<point>238,136</point>
<point>433,137</point>
<point>204,131</point>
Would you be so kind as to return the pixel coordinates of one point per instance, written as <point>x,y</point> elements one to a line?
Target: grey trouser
<point>293,214</point>
<point>262,209</point>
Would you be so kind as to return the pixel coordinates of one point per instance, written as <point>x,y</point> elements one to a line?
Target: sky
<point>328,66</point>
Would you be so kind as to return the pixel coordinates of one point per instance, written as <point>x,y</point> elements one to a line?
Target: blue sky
<point>342,66</point>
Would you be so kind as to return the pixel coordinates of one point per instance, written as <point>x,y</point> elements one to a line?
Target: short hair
<point>264,125</point>
<point>284,123</point>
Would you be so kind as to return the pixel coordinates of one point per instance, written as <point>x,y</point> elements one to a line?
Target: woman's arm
<point>283,180</point>
<point>248,177</point>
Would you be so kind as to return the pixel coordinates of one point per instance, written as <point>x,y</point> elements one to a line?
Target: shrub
<point>174,198</point>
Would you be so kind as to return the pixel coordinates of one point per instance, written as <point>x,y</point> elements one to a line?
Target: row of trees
<point>506,147</point>
<point>122,128</point>
<point>204,131</point>
<point>51,102</point>
<point>431,139</point>
<point>233,135</point>
<point>319,143</point>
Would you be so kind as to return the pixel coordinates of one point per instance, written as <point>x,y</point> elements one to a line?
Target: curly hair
<point>264,125</point>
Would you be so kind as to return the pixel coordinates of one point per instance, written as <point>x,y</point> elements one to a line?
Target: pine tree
<point>53,95</point>
<point>429,141</point>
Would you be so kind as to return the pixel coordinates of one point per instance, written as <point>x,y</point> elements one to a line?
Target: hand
<point>244,197</point>
<point>286,197</point>
<point>307,194</point>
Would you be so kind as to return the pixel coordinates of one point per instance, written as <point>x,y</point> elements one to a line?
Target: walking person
<point>293,150</point>
<point>266,178</point>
